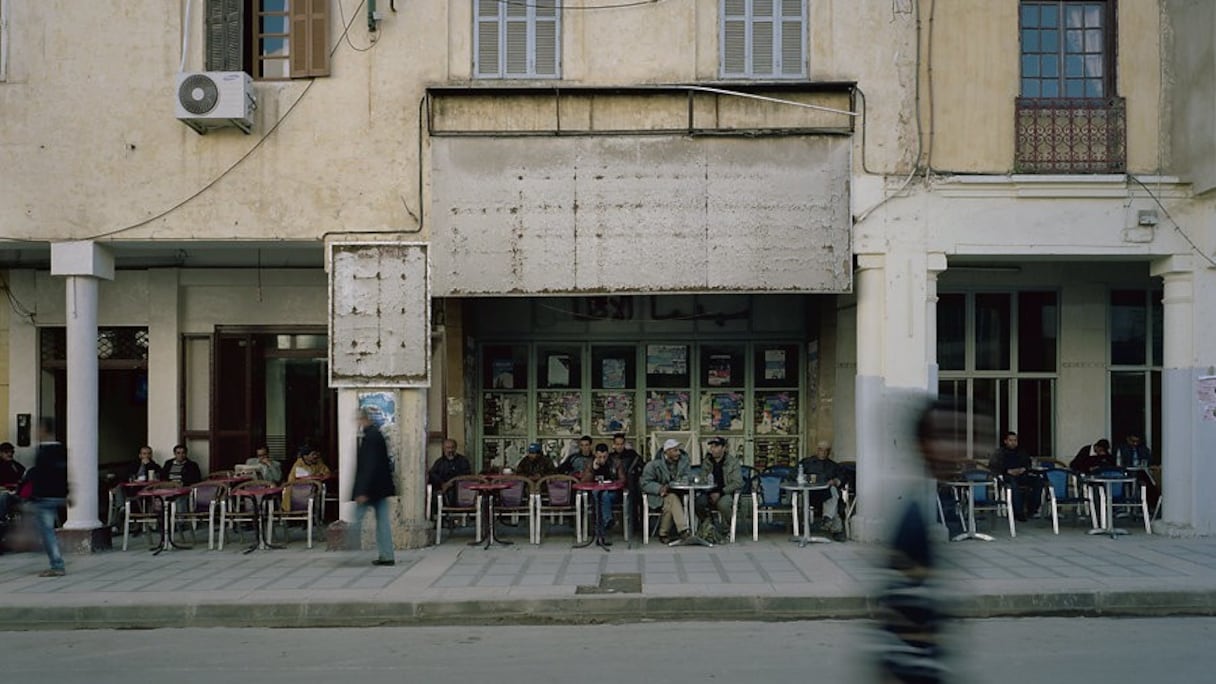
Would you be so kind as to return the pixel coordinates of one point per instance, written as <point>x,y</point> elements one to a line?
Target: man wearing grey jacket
<point>660,472</point>
<point>728,479</point>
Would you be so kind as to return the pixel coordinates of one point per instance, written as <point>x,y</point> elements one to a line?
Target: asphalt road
<point>992,651</point>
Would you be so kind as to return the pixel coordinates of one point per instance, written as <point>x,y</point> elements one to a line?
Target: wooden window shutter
<point>793,28</point>
<point>546,40</point>
<point>308,48</point>
<point>318,38</point>
<point>734,37</point>
<point>486,55</point>
<point>516,61</point>
<point>225,35</point>
<point>762,38</point>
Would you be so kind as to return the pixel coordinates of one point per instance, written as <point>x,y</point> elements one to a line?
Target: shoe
<point>52,572</point>
<point>685,534</point>
<point>381,561</point>
<point>663,538</point>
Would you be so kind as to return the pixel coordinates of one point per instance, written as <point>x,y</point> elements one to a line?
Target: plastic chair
<point>771,500</point>
<point>516,499</point>
<point>236,510</point>
<point>647,514</point>
<point>206,499</point>
<point>748,490</point>
<point>139,511</point>
<point>1064,488</point>
<point>303,498</point>
<point>457,501</point>
<point>553,496</point>
<point>848,494</point>
<point>995,497</point>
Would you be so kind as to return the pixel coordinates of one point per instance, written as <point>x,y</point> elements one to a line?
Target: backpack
<point>710,532</point>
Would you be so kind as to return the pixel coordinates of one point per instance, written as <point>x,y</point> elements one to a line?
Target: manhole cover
<point>618,583</point>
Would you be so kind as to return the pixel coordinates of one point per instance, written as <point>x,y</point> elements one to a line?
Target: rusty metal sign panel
<point>379,315</point>
<point>640,214</point>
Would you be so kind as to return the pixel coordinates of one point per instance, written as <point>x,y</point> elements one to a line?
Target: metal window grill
<point>113,343</point>
<point>1071,135</point>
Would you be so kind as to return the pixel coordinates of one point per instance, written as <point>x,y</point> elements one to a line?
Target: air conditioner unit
<point>214,99</point>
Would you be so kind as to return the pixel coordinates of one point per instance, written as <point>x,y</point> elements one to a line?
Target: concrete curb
<point>585,610</point>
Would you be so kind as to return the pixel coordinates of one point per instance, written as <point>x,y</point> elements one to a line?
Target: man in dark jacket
<point>1013,465</point>
<point>450,464</point>
<point>821,468</point>
<point>181,468</point>
<point>49,477</point>
<point>632,462</point>
<point>373,486</point>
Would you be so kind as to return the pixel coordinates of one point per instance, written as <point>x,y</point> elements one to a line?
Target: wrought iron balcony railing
<point>1071,135</point>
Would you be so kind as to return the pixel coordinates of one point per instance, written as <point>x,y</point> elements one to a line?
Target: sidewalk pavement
<point>1036,574</point>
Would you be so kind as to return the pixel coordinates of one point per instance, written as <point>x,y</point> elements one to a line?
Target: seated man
<point>632,462</point>
<point>604,467</point>
<point>268,468</point>
<point>660,472</point>
<point>143,469</point>
<point>576,462</point>
<point>1086,461</point>
<point>11,473</point>
<point>728,479</point>
<point>180,468</point>
<point>1013,464</point>
<point>534,464</point>
<point>308,464</point>
<point>821,468</point>
<point>449,465</point>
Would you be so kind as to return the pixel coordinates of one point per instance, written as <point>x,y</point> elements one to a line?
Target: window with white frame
<point>268,39</point>
<point>762,39</point>
<point>1137,340</point>
<point>517,39</point>
<point>998,355</point>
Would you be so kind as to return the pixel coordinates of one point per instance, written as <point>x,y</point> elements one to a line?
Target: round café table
<point>966,488</point>
<point>802,490</point>
<point>487,493</point>
<point>168,495</point>
<point>591,491</point>
<point>259,497</point>
<point>690,512</point>
<point>1108,505</point>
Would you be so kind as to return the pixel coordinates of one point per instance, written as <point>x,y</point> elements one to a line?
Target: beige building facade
<point>510,222</point>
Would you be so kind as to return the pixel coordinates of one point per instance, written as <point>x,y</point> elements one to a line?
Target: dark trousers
<point>1027,493</point>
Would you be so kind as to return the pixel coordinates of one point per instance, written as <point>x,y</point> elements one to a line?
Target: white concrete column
<point>406,438</point>
<point>348,445</point>
<point>869,285</point>
<point>1187,439</point>
<point>936,264</point>
<point>164,363</point>
<point>411,527</point>
<point>896,316</point>
<point>84,264</point>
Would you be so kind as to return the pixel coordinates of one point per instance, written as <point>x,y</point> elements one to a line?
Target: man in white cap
<point>821,468</point>
<point>656,476</point>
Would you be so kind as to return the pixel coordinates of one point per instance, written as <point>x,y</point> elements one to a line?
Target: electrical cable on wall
<point>239,160</point>
<point>1177,226</point>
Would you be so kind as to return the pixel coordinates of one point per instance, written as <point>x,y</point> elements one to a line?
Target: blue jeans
<point>46,512</point>
<point>384,530</point>
<point>606,501</point>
